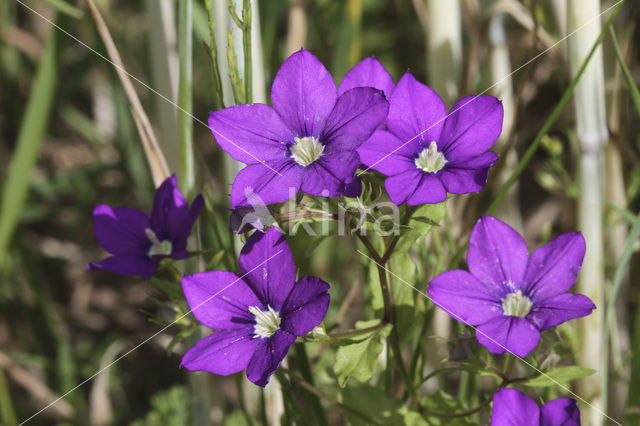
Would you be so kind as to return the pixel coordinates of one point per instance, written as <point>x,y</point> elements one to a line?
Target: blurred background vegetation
<point>68,141</point>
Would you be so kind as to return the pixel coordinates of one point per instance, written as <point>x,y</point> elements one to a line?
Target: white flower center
<point>267,322</point>
<point>306,150</point>
<point>516,304</point>
<point>430,160</point>
<point>157,247</point>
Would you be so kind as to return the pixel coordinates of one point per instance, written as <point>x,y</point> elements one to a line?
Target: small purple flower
<point>138,243</point>
<point>510,296</point>
<point>513,408</point>
<point>258,314</point>
<point>307,141</point>
<point>426,153</point>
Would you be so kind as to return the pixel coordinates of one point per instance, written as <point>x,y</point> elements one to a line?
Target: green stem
<point>237,378</point>
<point>213,51</point>
<point>246,46</point>
<point>185,101</point>
<point>358,332</point>
<point>6,405</point>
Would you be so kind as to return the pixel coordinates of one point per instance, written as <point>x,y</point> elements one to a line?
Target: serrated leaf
<point>360,359</point>
<point>560,375</point>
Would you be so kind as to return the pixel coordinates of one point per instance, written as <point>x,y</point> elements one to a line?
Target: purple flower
<point>513,408</point>
<point>307,141</point>
<point>426,153</point>
<point>510,296</point>
<point>138,243</point>
<point>258,314</point>
<point>245,218</point>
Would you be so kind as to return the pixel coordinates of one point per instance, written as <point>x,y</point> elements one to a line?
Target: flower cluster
<point>313,140</point>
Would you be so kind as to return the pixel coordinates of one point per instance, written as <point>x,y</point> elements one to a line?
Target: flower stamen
<point>306,150</point>
<point>516,304</point>
<point>267,322</point>
<point>430,160</point>
<point>158,247</point>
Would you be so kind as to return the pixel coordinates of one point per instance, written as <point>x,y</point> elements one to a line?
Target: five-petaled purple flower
<point>307,141</point>
<point>138,243</point>
<point>513,408</point>
<point>427,153</point>
<point>258,314</point>
<point>510,296</point>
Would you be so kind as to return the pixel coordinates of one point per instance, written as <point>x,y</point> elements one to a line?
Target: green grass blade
<point>63,7</point>
<point>30,139</point>
<point>633,89</point>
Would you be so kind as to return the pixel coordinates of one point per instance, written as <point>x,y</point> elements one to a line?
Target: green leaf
<point>360,359</point>
<point>374,403</point>
<point>560,375</point>
<point>421,223</point>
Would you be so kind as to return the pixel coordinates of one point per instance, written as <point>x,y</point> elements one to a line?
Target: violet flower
<point>427,153</point>
<point>138,243</point>
<point>258,314</point>
<point>307,141</point>
<point>513,408</point>
<point>510,296</point>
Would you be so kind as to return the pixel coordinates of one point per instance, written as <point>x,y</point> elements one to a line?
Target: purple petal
<point>464,298</point>
<point>508,334</point>
<point>468,176</point>
<point>223,352</point>
<point>472,126</point>
<point>327,176</point>
<point>553,268</point>
<point>169,210</point>
<point>220,299</point>
<point>127,265</point>
<point>121,230</point>
<point>513,408</point>
<point>401,187</point>
<point>180,242</point>
<point>266,263</point>
<point>250,133</point>
<point>306,306</point>
<point>268,356</point>
<point>356,115</point>
<point>384,152</point>
<point>497,255</point>
<point>303,94</point>
<point>416,113</point>
<point>368,73</point>
<point>259,184</point>
<point>429,191</point>
<point>561,411</point>
<point>558,309</point>
<point>354,188</point>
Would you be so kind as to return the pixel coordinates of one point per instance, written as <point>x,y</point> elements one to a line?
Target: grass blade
<point>30,139</point>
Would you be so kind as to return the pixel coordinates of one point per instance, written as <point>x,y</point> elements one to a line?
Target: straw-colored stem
<point>444,47</point>
<point>592,135</point>
<point>185,94</point>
